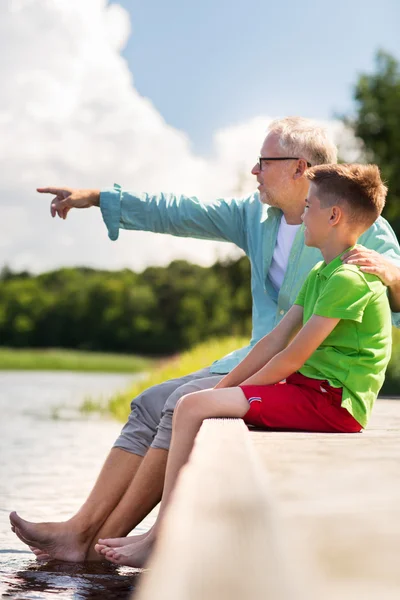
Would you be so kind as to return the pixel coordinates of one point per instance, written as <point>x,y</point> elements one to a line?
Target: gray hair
<point>304,138</point>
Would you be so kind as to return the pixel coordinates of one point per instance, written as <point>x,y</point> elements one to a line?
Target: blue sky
<point>185,109</point>
<point>213,63</point>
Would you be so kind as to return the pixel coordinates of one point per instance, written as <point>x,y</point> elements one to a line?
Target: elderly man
<point>267,226</point>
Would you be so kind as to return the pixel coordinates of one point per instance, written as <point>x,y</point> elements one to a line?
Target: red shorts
<point>299,404</point>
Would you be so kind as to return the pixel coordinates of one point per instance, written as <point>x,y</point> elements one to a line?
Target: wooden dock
<point>271,515</point>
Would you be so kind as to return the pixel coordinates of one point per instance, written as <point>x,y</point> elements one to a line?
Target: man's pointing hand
<point>67,198</point>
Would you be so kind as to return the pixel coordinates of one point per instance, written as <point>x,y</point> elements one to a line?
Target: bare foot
<point>106,543</point>
<point>51,540</point>
<point>132,555</point>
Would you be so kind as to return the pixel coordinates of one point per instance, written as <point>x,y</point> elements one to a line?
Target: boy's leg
<point>70,540</point>
<point>145,490</point>
<point>188,417</point>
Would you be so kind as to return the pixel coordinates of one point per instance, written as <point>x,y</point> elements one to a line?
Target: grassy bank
<point>70,360</point>
<point>188,362</point>
<point>203,355</point>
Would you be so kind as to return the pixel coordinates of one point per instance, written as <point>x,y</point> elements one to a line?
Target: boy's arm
<point>289,360</point>
<point>265,349</point>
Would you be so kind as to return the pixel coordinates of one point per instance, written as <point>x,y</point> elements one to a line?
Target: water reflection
<point>47,468</point>
<point>84,581</point>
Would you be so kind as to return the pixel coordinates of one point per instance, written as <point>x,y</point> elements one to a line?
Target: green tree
<point>160,311</point>
<point>377,123</point>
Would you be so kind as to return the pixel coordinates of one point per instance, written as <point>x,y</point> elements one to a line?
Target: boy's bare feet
<point>131,555</point>
<point>103,545</point>
<point>52,540</point>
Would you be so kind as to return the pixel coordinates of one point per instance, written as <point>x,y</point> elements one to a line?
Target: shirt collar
<point>326,270</point>
<point>268,212</point>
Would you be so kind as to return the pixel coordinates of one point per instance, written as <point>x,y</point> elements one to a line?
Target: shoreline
<point>57,359</point>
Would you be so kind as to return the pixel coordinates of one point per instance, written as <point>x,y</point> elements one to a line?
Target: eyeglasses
<point>261,158</point>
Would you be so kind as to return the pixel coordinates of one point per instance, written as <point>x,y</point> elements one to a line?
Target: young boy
<point>324,378</point>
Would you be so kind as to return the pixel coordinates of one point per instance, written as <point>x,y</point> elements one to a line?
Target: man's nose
<point>256,169</point>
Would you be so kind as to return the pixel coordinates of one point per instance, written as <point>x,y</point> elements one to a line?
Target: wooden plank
<point>221,539</point>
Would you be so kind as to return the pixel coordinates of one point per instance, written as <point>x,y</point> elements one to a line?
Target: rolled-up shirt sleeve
<point>382,238</point>
<point>178,215</point>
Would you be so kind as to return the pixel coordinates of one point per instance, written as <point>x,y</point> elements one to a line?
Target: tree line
<point>160,311</point>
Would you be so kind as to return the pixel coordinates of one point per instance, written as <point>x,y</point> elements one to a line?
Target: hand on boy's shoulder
<point>372,262</point>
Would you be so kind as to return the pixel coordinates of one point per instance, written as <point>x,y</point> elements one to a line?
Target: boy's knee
<point>196,386</point>
<point>185,404</point>
<point>189,406</point>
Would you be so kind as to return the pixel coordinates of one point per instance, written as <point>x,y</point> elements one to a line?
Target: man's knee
<point>187,389</point>
<point>162,438</point>
<point>141,427</point>
<point>146,413</point>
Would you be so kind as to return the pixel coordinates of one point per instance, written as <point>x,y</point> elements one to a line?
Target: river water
<point>50,456</point>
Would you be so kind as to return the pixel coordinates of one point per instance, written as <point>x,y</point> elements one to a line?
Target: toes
<point>112,542</point>
<point>99,548</point>
<point>15,519</point>
<point>16,525</point>
<point>43,556</point>
<point>23,538</point>
<point>111,559</point>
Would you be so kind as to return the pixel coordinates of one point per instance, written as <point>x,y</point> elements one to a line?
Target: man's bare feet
<point>131,555</point>
<point>40,554</point>
<point>52,540</point>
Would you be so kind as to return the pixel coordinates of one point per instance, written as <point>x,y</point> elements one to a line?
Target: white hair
<point>304,138</point>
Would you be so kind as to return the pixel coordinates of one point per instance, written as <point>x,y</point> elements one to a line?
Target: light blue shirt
<point>250,225</point>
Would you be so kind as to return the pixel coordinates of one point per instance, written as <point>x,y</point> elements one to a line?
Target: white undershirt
<point>280,258</point>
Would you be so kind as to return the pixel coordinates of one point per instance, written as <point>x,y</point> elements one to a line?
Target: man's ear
<point>336,215</point>
<point>301,168</point>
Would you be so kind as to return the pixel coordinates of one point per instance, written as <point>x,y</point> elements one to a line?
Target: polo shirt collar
<point>327,269</point>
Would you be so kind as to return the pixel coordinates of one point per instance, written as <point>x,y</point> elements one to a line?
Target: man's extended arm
<point>179,215</point>
<point>265,349</point>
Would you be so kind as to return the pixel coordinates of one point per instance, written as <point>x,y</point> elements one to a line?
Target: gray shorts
<point>150,421</point>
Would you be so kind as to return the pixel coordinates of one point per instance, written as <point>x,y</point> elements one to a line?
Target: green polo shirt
<point>355,354</point>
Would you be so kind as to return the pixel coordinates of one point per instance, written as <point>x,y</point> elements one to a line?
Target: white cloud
<point>70,115</point>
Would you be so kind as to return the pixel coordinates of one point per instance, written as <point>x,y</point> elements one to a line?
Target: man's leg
<point>188,417</point>
<point>70,540</point>
<point>146,488</point>
<point>141,496</point>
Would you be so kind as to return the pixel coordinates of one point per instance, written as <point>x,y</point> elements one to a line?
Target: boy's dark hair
<point>358,187</point>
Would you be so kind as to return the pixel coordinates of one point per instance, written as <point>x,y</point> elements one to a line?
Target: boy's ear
<point>336,215</point>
